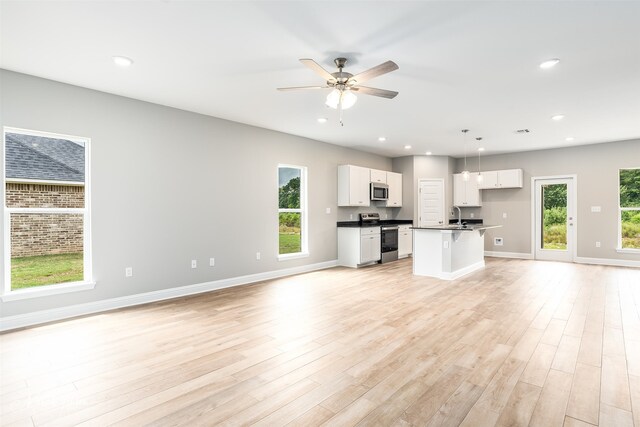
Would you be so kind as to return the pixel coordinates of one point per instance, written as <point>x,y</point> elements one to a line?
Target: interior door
<point>431,202</point>
<point>555,220</point>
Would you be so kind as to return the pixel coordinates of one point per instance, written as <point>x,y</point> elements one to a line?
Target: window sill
<point>287,257</point>
<point>628,251</point>
<point>44,291</point>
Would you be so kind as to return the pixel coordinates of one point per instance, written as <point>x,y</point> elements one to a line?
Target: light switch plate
<point>596,209</point>
<point>504,215</point>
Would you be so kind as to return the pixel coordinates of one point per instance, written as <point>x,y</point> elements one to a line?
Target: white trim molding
<point>514,255</point>
<point>461,272</point>
<point>608,261</point>
<point>44,316</point>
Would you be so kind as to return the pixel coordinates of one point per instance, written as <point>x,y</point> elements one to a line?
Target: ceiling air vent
<point>523,131</point>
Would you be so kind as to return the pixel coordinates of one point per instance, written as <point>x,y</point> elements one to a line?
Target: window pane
<point>46,249</point>
<point>57,163</point>
<point>289,188</point>
<point>289,233</point>
<point>630,222</point>
<point>630,188</point>
<point>554,217</point>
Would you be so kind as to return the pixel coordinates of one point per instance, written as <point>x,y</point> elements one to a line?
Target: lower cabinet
<point>358,246</point>
<point>405,241</point>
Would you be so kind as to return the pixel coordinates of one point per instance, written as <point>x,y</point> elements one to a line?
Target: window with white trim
<point>46,211</point>
<point>629,217</point>
<point>292,211</point>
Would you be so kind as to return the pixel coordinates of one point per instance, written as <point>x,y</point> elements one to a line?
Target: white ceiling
<point>462,65</point>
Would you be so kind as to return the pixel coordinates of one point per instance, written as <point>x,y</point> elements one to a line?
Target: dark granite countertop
<point>357,224</point>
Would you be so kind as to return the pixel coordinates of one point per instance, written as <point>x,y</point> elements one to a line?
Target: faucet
<point>459,216</point>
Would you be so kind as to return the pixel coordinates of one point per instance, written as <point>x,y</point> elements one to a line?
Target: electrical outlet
<point>504,215</point>
<point>328,210</point>
<point>128,272</point>
<point>212,262</point>
<point>597,244</point>
<point>497,241</point>
<point>194,263</point>
<point>258,256</point>
<point>472,215</point>
<point>350,216</point>
<point>445,244</point>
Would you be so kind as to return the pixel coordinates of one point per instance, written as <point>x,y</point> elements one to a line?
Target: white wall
<point>170,186</point>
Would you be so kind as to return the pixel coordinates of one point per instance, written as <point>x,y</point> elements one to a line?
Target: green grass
<point>555,237</point>
<point>27,272</point>
<point>630,233</point>
<point>289,242</point>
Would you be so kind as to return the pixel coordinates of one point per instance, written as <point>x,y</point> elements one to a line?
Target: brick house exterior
<point>44,173</point>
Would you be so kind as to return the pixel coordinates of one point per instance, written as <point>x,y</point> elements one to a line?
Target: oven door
<point>389,243</point>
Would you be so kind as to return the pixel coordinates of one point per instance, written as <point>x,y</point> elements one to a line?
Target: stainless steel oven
<point>389,243</point>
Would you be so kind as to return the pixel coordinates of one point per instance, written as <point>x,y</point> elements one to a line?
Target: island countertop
<point>456,227</point>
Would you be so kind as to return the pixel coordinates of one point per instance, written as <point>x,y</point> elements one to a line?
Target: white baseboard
<point>462,272</point>
<point>518,255</point>
<point>608,261</point>
<point>44,316</point>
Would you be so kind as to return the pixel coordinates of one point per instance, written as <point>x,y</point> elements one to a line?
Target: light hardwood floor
<point>519,343</point>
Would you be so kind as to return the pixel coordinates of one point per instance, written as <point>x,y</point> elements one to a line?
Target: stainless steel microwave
<point>379,191</point>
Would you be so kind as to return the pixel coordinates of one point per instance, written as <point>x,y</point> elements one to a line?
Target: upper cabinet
<point>353,185</point>
<point>466,193</point>
<point>510,178</point>
<point>378,176</point>
<point>394,181</point>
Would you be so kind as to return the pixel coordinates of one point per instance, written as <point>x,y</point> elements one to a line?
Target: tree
<point>289,194</point>
<point>630,188</point>
<point>555,196</point>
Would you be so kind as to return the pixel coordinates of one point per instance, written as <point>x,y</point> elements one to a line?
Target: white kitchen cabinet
<point>358,246</point>
<point>466,193</point>
<point>405,241</point>
<point>509,178</point>
<point>378,176</point>
<point>394,181</point>
<point>353,185</point>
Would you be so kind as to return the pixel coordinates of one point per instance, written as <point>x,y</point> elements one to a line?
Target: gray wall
<point>415,168</point>
<point>169,186</point>
<point>596,167</point>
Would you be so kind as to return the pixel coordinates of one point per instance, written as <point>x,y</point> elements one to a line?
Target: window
<point>292,203</point>
<point>46,212</point>
<point>629,235</point>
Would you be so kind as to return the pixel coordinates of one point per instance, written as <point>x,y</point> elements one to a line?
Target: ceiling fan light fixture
<point>344,98</point>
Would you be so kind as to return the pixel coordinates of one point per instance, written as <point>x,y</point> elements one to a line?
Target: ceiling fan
<point>345,84</point>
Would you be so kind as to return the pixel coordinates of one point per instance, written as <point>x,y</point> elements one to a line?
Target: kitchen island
<point>448,252</point>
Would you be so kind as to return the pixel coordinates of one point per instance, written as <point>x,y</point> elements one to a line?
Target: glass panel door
<point>554,219</point>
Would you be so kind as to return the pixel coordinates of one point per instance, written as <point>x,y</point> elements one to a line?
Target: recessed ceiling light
<point>569,138</point>
<point>382,139</point>
<point>322,120</point>
<point>550,63</point>
<point>407,147</point>
<point>122,61</point>
<point>428,153</point>
<point>558,117</point>
<point>481,149</point>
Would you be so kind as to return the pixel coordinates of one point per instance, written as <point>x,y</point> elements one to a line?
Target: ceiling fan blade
<point>389,94</point>
<point>318,69</point>
<point>303,87</point>
<point>376,71</point>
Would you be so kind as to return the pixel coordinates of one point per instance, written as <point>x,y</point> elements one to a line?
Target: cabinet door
<point>489,180</point>
<point>405,243</point>
<point>511,178</point>
<point>378,176</point>
<point>394,180</point>
<point>465,193</point>
<point>369,248</point>
<point>359,190</point>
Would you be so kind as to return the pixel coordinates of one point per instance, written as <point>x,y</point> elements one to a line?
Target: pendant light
<point>479,176</point>
<point>465,172</point>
